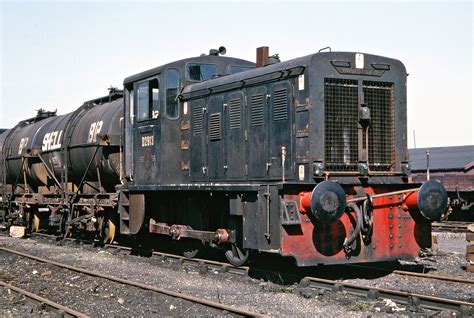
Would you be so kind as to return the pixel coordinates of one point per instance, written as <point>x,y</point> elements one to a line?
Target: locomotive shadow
<point>328,239</point>
<point>287,273</point>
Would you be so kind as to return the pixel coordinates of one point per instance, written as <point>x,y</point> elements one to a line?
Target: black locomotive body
<point>305,158</point>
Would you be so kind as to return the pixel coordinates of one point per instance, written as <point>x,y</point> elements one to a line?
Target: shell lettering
<point>52,140</point>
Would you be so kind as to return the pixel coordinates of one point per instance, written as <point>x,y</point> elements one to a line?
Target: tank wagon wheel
<point>68,232</point>
<point>32,222</point>
<point>35,223</point>
<point>65,230</point>
<point>236,255</point>
<point>107,230</point>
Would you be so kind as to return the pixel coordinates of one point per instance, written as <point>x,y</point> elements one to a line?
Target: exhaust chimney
<point>262,56</point>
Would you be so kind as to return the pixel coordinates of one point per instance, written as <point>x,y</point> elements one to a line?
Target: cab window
<point>148,100</point>
<point>172,87</point>
<point>200,72</point>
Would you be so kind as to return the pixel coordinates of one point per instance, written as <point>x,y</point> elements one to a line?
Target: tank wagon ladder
<point>5,151</point>
<point>22,171</point>
<point>68,198</point>
<point>8,151</point>
<point>71,125</point>
<point>72,198</point>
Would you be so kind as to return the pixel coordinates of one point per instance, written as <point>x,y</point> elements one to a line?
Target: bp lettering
<point>94,130</point>
<point>23,143</point>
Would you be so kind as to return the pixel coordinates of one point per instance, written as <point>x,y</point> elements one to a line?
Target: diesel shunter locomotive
<point>305,158</point>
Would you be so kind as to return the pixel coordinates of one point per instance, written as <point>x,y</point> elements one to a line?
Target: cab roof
<point>221,62</point>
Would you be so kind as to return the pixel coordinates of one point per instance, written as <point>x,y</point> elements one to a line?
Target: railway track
<point>415,274</point>
<point>61,310</point>
<point>407,298</point>
<point>167,292</point>
<point>210,265</point>
<point>450,226</point>
<point>402,297</point>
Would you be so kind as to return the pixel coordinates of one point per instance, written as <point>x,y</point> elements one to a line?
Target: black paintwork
<point>239,144</point>
<point>231,131</point>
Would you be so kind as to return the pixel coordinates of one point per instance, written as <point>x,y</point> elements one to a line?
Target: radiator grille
<point>280,104</point>
<point>341,116</point>
<point>256,110</point>
<point>196,117</point>
<point>215,126</point>
<point>235,113</point>
<point>341,121</point>
<point>379,97</point>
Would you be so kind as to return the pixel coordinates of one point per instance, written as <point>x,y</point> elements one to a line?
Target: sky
<point>58,54</point>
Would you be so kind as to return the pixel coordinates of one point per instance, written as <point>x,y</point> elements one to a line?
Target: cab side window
<point>143,105</point>
<point>148,100</point>
<point>172,88</point>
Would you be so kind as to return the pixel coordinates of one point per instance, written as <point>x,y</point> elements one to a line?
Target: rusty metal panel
<point>137,212</point>
<point>396,234</point>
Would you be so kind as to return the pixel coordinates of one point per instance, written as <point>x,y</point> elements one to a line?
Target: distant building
<point>453,166</point>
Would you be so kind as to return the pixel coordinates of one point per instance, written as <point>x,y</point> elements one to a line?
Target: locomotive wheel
<point>189,248</point>
<point>237,256</point>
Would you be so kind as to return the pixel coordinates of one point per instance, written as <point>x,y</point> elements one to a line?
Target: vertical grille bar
<point>379,97</point>
<point>341,116</point>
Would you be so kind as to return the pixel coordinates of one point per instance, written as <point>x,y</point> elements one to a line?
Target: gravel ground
<point>84,294</point>
<point>91,295</point>
<point>13,304</point>
<point>448,259</point>
<point>101,298</point>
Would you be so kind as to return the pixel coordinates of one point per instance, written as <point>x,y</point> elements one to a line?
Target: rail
<point>46,301</point>
<point>171,293</point>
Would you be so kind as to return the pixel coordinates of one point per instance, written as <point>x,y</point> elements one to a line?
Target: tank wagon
<point>305,158</point>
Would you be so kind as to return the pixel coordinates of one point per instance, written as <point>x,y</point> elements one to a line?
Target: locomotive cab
<point>156,156</point>
<point>153,115</point>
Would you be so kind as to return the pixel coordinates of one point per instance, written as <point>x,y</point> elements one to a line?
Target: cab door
<point>146,132</point>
